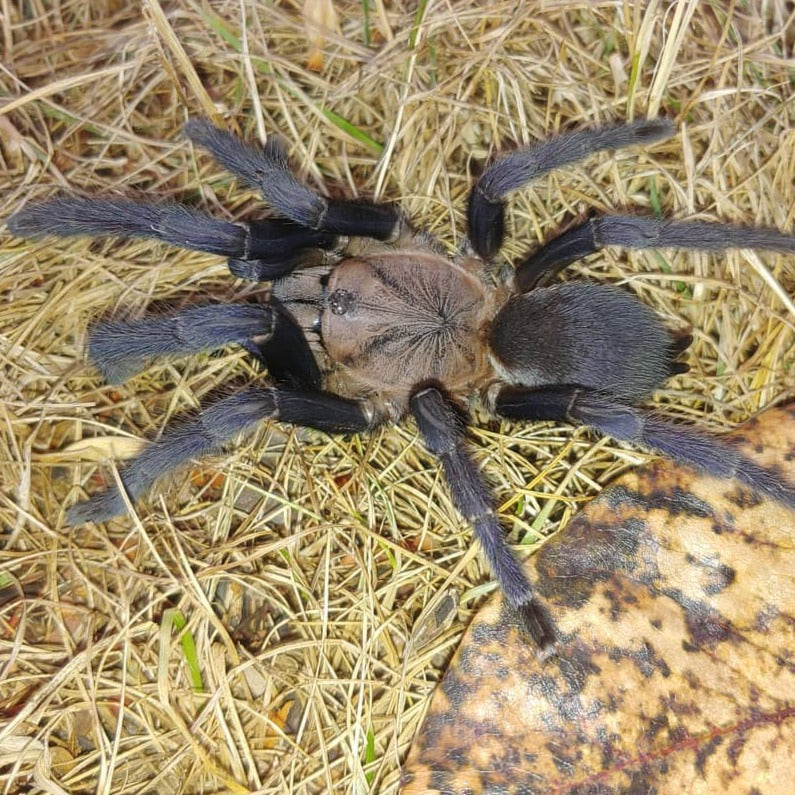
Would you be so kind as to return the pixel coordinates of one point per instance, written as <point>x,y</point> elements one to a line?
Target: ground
<point>309,572</point>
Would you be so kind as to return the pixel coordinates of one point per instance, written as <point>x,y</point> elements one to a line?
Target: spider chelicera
<point>369,320</point>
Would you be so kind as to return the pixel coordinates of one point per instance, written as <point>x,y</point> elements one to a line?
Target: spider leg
<point>631,231</point>
<point>680,342</point>
<point>439,427</point>
<point>286,353</point>
<point>486,212</point>
<point>121,349</point>
<point>218,424</point>
<point>267,169</point>
<point>264,249</point>
<point>582,406</point>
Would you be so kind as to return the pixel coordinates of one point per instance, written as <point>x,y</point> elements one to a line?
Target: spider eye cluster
<point>341,301</point>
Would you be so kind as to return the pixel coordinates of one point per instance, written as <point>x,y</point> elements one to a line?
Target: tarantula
<point>368,320</point>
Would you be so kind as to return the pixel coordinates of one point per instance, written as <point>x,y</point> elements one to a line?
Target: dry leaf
<point>675,596</point>
<point>13,144</point>
<point>96,448</point>
<point>437,616</point>
<point>320,19</point>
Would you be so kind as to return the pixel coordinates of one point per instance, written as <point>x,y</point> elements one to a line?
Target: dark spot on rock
<point>679,735</point>
<point>720,527</point>
<point>718,576</point>
<point>458,756</point>
<point>565,765</point>
<point>486,635</point>
<point>608,755</point>
<point>785,661</point>
<point>744,498</point>
<point>440,780</point>
<point>705,751</point>
<point>468,659</point>
<point>645,659</point>
<point>630,599</point>
<point>707,629</point>
<point>641,782</point>
<point>765,617</point>
<point>568,708</point>
<point>679,502</point>
<point>504,766</point>
<point>616,603</point>
<point>620,495</point>
<point>656,725</point>
<point>434,726</point>
<point>455,689</point>
<point>529,758</point>
<point>735,747</point>
<point>706,626</point>
<point>577,667</point>
<point>569,571</point>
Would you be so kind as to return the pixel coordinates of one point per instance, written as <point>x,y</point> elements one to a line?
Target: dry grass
<point>306,568</point>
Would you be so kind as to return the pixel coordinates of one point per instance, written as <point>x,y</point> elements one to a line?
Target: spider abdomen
<point>586,334</point>
<point>394,320</point>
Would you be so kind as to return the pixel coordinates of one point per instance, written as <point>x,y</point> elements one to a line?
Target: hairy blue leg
<point>685,444</point>
<point>267,169</point>
<point>260,250</point>
<point>121,349</point>
<point>439,427</point>
<point>177,224</point>
<point>629,231</point>
<point>213,428</point>
<point>486,213</point>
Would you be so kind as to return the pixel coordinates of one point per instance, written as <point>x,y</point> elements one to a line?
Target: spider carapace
<point>369,320</point>
<point>388,320</point>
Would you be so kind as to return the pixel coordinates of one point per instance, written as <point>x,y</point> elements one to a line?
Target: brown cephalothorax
<point>392,320</point>
<point>368,320</point>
